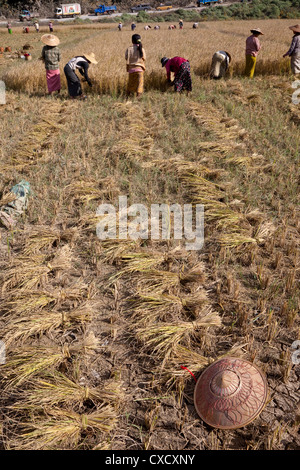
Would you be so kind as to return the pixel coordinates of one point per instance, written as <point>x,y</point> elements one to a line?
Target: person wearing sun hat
<point>253,47</point>
<point>181,69</point>
<point>51,59</point>
<point>80,63</point>
<point>294,50</point>
<point>219,64</point>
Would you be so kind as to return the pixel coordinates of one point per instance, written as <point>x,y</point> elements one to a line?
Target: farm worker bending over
<point>133,26</point>
<point>219,64</point>
<point>294,50</point>
<point>135,57</point>
<point>80,63</point>
<point>51,59</point>
<point>182,71</point>
<point>253,47</point>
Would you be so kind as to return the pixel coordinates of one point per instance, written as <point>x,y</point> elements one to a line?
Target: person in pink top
<point>181,69</point>
<point>253,47</point>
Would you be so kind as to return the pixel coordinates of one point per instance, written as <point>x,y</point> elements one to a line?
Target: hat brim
<point>256,31</point>
<point>295,29</point>
<point>91,59</point>
<point>50,40</point>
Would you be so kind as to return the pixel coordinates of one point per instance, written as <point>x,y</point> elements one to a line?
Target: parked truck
<point>104,10</point>
<point>68,10</point>
<point>206,2</point>
<point>26,15</point>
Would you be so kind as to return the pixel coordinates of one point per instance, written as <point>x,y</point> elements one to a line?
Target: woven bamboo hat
<point>256,30</point>
<point>295,28</point>
<point>50,40</point>
<point>91,58</point>
<point>230,393</point>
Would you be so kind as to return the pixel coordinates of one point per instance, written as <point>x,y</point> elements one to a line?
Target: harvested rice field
<point>104,339</point>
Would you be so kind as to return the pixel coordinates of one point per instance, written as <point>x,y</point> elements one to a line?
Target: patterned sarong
<point>183,80</point>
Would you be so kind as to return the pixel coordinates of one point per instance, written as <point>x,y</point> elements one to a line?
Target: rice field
<point>100,335</point>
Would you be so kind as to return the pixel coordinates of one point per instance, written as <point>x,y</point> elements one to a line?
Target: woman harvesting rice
<point>294,50</point>
<point>51,59</point>
<point>135,57</point>
<point>182,71</point>
<point>253,47</point>
<point>80,63</point>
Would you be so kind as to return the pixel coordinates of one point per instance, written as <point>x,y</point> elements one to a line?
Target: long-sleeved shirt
<point>133,58</point>
<point>51,57</point>
<point>295,46</point>
<point>252,46</point>
<point>81,64</point>
<point>173,65</point>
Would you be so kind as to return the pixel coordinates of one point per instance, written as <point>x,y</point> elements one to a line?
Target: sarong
<point>295,64</point>
<point>53,80</point>
<point>183,80</point>
<point>135,82</point>
<point>74,85</point>
<point>250,65</point>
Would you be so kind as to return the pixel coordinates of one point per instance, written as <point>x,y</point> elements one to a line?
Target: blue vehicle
<point>104,10</point>
<point>206,2</point>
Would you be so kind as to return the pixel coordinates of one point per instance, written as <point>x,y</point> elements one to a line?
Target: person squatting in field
<point>253,47</point>
<point>135,57</point>
<point>294,50</point>
<point>219,64</point>
<point>51,59</point>
<point>80,63</point>
<point>182,73</point>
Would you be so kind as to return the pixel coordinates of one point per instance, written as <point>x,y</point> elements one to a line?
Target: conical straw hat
<point>230,393</point>
<point>295,28</point>
<point>50,40</point>
<point>91,58</point>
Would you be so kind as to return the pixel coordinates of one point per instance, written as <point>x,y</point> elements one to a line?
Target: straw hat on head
<point>91,58</point>
<point>50,40</point>
<point>256,30</point>
<point>296,28</point>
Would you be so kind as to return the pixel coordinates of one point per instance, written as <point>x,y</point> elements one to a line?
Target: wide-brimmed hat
<point>50,40</point>
<point>91,58</point>
<point>295,28</point>
<point>164,60</point>
<point>230,393</point>
<point>256,30</point>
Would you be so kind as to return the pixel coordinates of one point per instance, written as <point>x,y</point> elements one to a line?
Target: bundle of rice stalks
<point>113,250</point>
<point>234,240</point>
<point>139,262</point>
<point>163,339</point>
<point>57,389</point>
<point>61,429</point>
<point>147,310</point>
<point>24,364</point>
<point>25,302</point>
<point>7,198</point>
<point>86,191</point>
<point>25,273</point>
<point>19,329</point>
<point>42,237</point>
